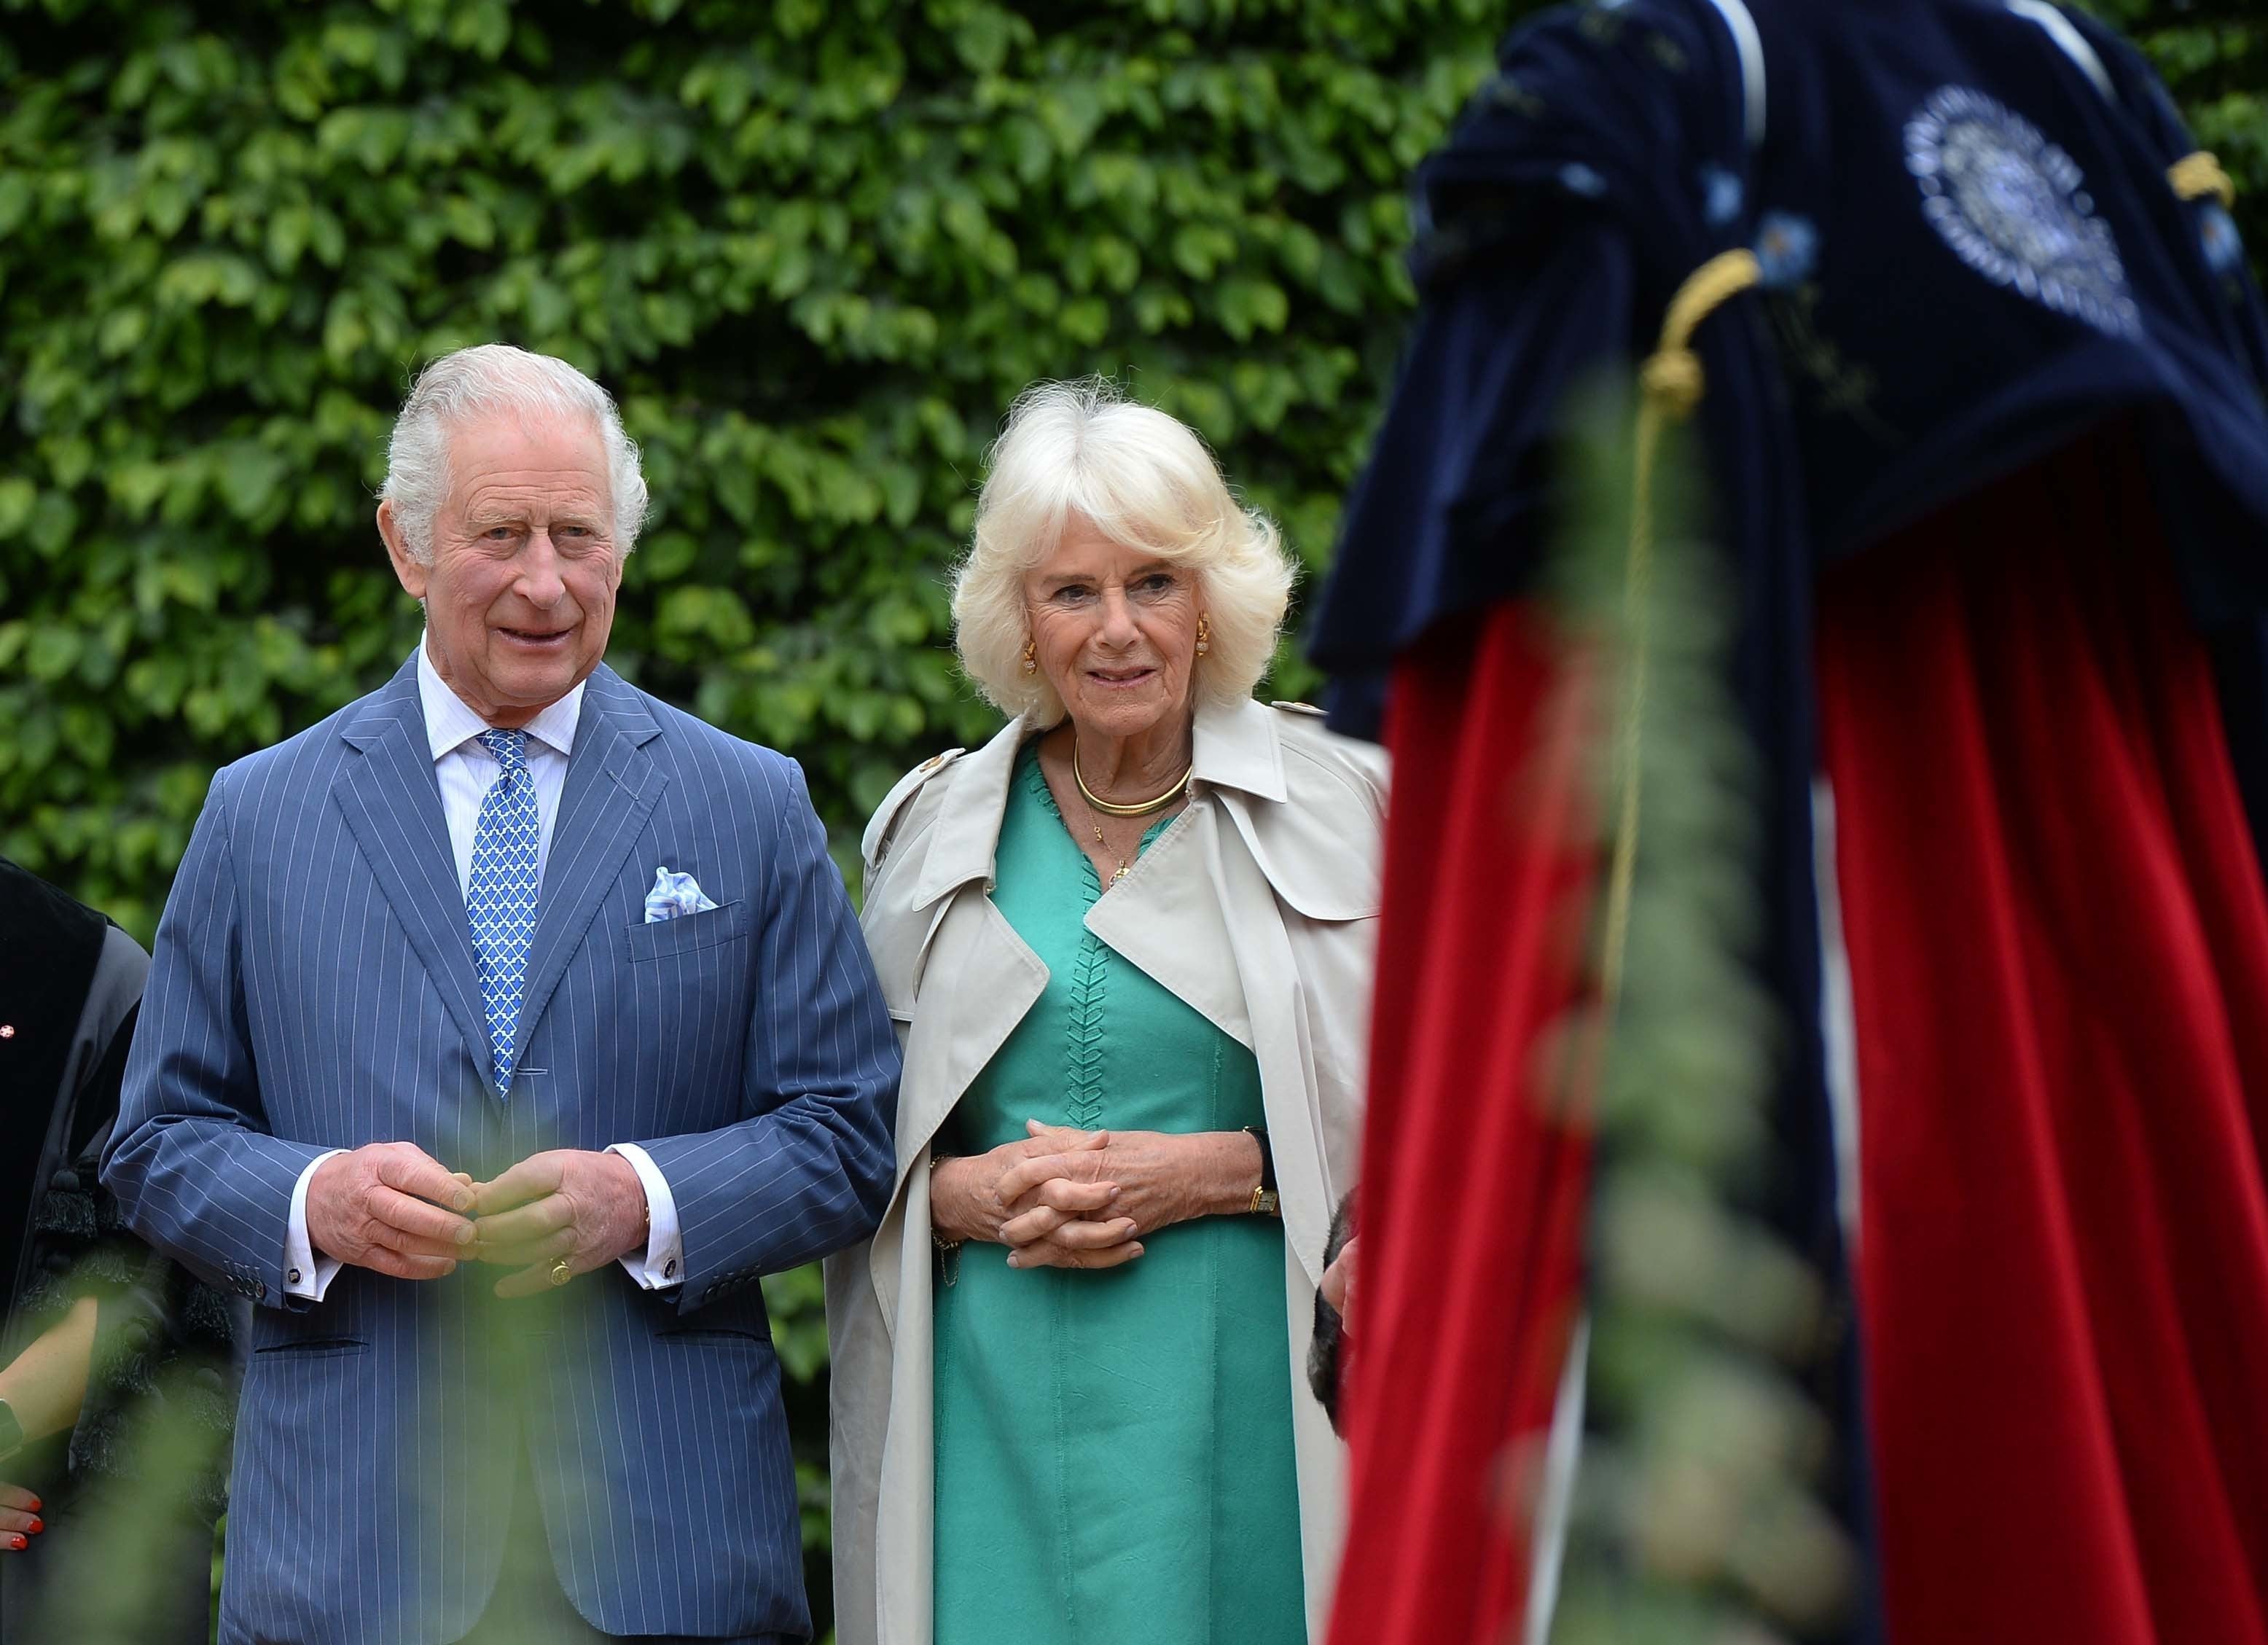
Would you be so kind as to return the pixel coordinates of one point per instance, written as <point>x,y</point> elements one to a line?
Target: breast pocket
<point>686,933</point>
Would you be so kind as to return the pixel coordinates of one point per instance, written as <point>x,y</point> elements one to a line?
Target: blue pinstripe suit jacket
<point>313,987</point>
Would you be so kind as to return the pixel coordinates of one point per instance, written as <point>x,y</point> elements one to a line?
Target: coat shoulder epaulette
<point>1335,768</point>
<point>884,825</point>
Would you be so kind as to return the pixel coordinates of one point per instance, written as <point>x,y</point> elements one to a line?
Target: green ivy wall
<point>814,248</point>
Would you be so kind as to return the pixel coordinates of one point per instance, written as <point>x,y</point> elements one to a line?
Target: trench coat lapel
<point>1238,754</point>
<point>1169,916</point>
<point>1166,916</point>
<point>979,977</point>
<point>1201,915</point>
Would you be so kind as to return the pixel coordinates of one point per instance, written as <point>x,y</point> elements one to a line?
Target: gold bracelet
<point>948,1250</point>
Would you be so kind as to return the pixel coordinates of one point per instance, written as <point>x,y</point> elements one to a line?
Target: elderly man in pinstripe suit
<point>503,1029</point>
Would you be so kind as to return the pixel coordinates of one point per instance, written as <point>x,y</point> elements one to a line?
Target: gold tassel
<point>1673,384</point>
<point>2194,176</point>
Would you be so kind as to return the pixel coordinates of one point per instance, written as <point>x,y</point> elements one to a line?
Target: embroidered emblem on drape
<point>2013,207</point>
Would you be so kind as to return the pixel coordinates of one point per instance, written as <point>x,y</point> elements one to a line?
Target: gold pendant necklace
<point>1141,808</point>
<point>1124,867</point>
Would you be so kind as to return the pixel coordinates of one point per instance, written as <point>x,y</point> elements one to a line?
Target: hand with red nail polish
<point>19,1519</point>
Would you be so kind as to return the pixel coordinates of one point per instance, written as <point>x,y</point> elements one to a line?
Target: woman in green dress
<point>1128,945</point>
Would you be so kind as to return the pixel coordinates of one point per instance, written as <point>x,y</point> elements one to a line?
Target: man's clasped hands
<point>394,1207</point>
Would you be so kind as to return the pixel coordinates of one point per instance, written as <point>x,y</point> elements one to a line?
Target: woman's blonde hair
<point>1080,450</point>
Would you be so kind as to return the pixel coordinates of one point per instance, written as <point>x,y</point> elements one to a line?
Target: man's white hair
<point>1080,451</point>
<point>489,380</point>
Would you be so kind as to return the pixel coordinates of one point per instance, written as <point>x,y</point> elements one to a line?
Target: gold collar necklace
<point>1141,808</point>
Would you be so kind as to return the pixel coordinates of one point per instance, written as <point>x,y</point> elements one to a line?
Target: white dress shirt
<point>466,771</point>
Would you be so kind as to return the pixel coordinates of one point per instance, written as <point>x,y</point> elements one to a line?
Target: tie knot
<point>509,747</point>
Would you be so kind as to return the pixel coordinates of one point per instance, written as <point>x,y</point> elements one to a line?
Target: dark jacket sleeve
<point>161,1389</point>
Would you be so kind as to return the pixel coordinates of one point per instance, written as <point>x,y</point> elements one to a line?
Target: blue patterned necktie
<point>500,892</point>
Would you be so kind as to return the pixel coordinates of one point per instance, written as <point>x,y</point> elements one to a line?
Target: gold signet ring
<point>561,1273</point>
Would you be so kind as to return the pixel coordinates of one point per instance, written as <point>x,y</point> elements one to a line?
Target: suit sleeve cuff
<point>661,1264</point>
<point>306,1275</point>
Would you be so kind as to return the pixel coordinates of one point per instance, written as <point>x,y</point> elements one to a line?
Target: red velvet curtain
<point>2059,943</point>
<point>1471,1189</point>
<point>2060,961</point>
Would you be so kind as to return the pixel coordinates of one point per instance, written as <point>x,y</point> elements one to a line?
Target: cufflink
<point>293,1276</point>
<point>669,1269</point>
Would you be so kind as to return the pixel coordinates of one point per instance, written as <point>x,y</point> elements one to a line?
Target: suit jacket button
<point>260,1290</point>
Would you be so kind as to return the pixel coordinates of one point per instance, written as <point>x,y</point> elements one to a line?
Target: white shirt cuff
<point>307,1274</point>
<point>662,1264</point>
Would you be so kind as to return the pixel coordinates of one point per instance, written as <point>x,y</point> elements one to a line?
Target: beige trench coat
<point>1258,908</point>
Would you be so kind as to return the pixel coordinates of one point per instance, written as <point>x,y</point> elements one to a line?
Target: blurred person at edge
<point>428,970</point>
<point>102,1336</point>
<point>1128,942</point>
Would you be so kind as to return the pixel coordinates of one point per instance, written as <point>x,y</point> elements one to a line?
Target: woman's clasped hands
<point>1063,1198</point>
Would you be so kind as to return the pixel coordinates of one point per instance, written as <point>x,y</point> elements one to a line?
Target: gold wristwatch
<point>1265,1201</point>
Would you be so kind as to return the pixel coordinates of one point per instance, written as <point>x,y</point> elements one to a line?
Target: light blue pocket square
<point>674,893</point>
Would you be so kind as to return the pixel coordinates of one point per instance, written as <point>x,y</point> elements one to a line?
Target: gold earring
<point>1031,656</point>
<point>1205,634</point>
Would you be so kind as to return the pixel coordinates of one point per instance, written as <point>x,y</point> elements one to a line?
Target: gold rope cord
<point>1673,385</point>
<point>2194,176</point>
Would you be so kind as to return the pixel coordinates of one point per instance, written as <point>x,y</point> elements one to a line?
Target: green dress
<point>1114,1447</point>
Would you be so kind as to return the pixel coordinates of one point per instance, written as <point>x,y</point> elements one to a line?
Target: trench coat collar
<point>1233,745</point>
<point>1236,745</point>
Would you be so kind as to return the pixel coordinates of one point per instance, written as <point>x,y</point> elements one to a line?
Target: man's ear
<point>413,571</point>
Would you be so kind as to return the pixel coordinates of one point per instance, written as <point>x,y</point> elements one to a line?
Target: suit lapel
<point>613,785</point>
<point>391,803</point>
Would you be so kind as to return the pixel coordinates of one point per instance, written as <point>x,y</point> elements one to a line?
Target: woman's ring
<point>561,1273</point>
